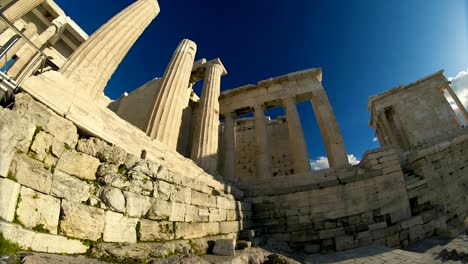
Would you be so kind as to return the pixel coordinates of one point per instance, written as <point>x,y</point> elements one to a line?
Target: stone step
<point>416,183</point>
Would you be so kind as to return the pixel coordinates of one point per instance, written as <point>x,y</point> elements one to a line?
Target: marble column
<point>91,65</point>
<point>297,141</point>
<point>381,135</point>
<point>27,55</point>
<point>29,32</point>
<point>459,104</point>
<point>165,118</point>
<point>263,153</point>
<point>229,138</point>
<point>6,35</point>
<point>205,137</point>
<point>388,130</point>
<point>18,10</point>
<point>331,135</point>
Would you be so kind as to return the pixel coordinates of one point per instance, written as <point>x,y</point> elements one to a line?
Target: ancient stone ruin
<point>163,171</point>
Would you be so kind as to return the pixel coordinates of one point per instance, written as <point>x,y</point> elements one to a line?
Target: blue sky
<point>364,47</point>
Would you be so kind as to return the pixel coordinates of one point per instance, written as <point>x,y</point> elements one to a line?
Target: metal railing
<point>19,35</point>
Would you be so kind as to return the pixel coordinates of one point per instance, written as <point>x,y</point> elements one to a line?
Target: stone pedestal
<point>28,54</point>
<point>229,137</point>
<point>18,10</point>
<point>262,148</point>
<point>459,104</point>
<point>29,31</point>
<point>329,129</point>
<point>164,120</point>
<point>91,66</point>
<point>297,141</point>
<point>205,137</point>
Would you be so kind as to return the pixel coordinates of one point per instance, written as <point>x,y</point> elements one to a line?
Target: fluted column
<point>459,104</point>
<point>91,66</point>
<point>29,31</point>
<point>27,54</point>
<point>297,141</point>
<point>263,154</point>
<point>205,137</point>
<point>331,135</point>
<point>386,127</point>
<point>164,120</point>
<point>229,138</point>
<point>18,10</point>
<point>381,135</point>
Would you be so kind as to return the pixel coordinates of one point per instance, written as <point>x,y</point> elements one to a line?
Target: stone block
<point>364,241</point>
<point>367,217</point>
<point>9,191</point>
<point>225,203</point>
<point>416,220</point>
<point>416,233</point>
<point>69,188</point>
<point>378,225</point>
<point>230,227</point>
<point>217,215</point>
<point>163,190</point>
<point>119,228</point>
<point>378,234</point>
<point>41,116</point>
<point>137,205</point>
<point>355,220</point>
<point>177,212</point>
<point>160,210</point>
<point>82,221</point>
<point>224,247</point>
<point>393,240</point>
<point>203,199</point>
<point>15,134</point>
<point>39,242</point>
<point>404,235</point>
<point>102,150</point>
<point>154,231</point>
<point>78,164</point>
<point>44,144</point>
<point>194,230</point>
<point>31,173</point>
<point>232,215</point>
<point>36,209</point>
<point>191,213</point>
<point>113,198</point>
<point>392,229</point>
<point>182,195</point>
<point>242,244</point>
<point>330,233</point>
<point>311,248</point>
<point>344,243</point>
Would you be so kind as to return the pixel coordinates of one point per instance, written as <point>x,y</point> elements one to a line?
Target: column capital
<point>216,63</point>
<point>288,100</point>
<point>259,107</point>
<point>229,114</point>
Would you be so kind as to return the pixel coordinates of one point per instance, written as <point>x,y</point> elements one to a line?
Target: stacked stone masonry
<point>58,184</point>
<point>374,203</point>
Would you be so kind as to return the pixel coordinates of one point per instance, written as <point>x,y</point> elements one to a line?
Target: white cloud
<point>322,162</point>
<point>375,139</point>
<point>460,86</point>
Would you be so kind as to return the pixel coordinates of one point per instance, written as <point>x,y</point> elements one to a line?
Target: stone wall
<point>437,180</point>
<point>278,137</point>
<point>60,187</point>
<point>339,209</point>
